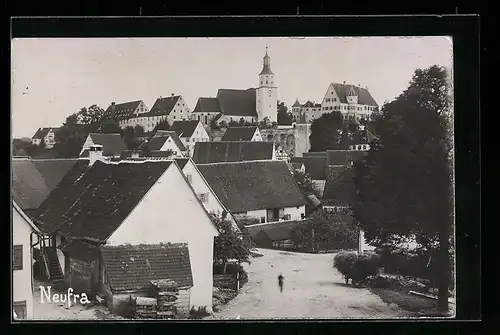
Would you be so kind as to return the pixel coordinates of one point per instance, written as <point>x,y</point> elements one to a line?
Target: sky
<point>55,77</point>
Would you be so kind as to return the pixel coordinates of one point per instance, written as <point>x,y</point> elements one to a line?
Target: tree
<point>109,127</point>
<point>229,244</point>
<point>139,130</point>
<point>304,181</point>
<point>163,125</point>
<point>404,187</point>
<point>284,117</point>
<point>70,137</point>
<point>326,132</point>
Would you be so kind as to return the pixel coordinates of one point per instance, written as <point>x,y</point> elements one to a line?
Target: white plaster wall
<point>170,145</point>
<point>295,212</point>
<point>257,136</point>
<point>170,212</point>
<point>21,279</point>
<point>60,254</point>
<point>258,213</point>
<point>87,144</point>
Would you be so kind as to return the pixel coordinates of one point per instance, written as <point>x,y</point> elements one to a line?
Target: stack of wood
<point>145,308</point>
<point>166,292</point>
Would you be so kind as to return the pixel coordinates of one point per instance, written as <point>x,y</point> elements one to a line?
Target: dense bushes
<point>357,267</point>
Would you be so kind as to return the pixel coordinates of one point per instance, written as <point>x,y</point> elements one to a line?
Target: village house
<point>250,105</point>
<point>190,132</point>
<point>234,134</point>
<point>217,152</point>
<point>112,144</point>
<point>23,233</point>
<point>361,139</point>
<point>265,190</point>
<point>128,203</point>
<point>136,113</point>
<point>45,135</point>
<point>165,141</point>
<point>310,110</point>
<point>277,235</point>
<point>127,113</point>
<point>354,102</point>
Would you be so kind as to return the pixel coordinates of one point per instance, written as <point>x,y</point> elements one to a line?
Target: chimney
<point>95,153</point>
<point>344,82</point>
<point>113,103</point>
<point>172,95</point>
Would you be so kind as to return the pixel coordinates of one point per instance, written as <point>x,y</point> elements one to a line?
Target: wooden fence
<point>231,281</point>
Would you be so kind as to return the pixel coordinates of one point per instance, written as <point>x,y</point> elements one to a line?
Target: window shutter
<point>17,257</point>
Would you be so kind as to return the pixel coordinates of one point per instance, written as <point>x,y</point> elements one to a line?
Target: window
<point>262,219</point>
<point>334,99</point>
<point>302,216</point>
<point>298,207</point>
<point>364,147</point>
<point>204,197</point>
<point>20,310</point>
<point>189,178</point>
<point>187,139</point>
<point>359,147</point>
<point>17,257</point>
<point>266,82</point>
<point>261,82</point>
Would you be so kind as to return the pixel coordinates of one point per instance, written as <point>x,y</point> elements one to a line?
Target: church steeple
<point>266,69</point>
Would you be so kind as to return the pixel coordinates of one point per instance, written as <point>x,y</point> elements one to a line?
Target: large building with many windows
<point>354,102</point>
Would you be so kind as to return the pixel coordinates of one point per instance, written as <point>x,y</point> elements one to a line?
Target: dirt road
<point>312,289</point>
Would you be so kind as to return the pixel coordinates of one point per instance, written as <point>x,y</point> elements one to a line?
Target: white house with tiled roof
<point>131,114</point>
<point>250,105</point>
<point>190,132</point>
<point>309,110</point>
<point>47,135</point>
<point>354,102</point>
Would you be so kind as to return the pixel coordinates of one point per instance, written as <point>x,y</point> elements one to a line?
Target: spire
<point>266,69</point>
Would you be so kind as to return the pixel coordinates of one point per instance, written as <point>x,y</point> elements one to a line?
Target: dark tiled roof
<point>158,140</point>
<point>121,111</point>
<point>364,96</point>
<point>340,188</point>
<point>207,105</point>
<point>247,186</point>
<point>314,154</point>
<point>237,102</point>
<point>163,106</point>
<point>42,132</point>
<point>216,152</point>
<point>185,128</point>
<point>296,103</point>
<point>181,162</point>
<point>363,137</point>
<point>80,249</point>
<point>132,267</point>
<point>276,231</point>
<point>344,157</point>
<point>315,166</point>
<point>310,104</point>
<point>92,203</point>
<point>239,134</point>
<point>33,180</point>
<point>112,144</point>
<point>297,166</point>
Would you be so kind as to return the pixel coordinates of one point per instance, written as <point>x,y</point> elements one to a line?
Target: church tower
<point>267,93</point>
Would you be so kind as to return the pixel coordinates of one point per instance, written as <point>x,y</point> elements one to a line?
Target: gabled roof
<point>246,186</point>
<point>92,203</point>
<point>112,144</point>
<point>309,104</point>
<point>216,152</point>
<point>181,162</point>
<point>237,102</point>
<point>239,134</point>
<point>121,111</point>
<point>296,103</point>
<point>132,267</point>
<point>207,105</point>
<point>340,189</point>
<point>185,128</point>
<point>33,180</point>
<point>343,157</point>
<point>276,231</point>
<point>42,132</point>
<point>315,166</point>
<point>364,136</point>
<point>364,96</point>
<point>158,140</point>
<point>163,106</point>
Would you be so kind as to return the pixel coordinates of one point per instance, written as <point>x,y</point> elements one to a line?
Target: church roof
<point>266,69</point>
<point>207,105</point>
<point>237,102</point>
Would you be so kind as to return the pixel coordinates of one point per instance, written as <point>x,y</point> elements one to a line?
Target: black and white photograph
<point>232,178</point>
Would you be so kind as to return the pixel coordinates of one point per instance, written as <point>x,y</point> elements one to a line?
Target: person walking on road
<point>280,282</point>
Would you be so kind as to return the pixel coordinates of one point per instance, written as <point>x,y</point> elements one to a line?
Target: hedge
<point>357,267</point>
